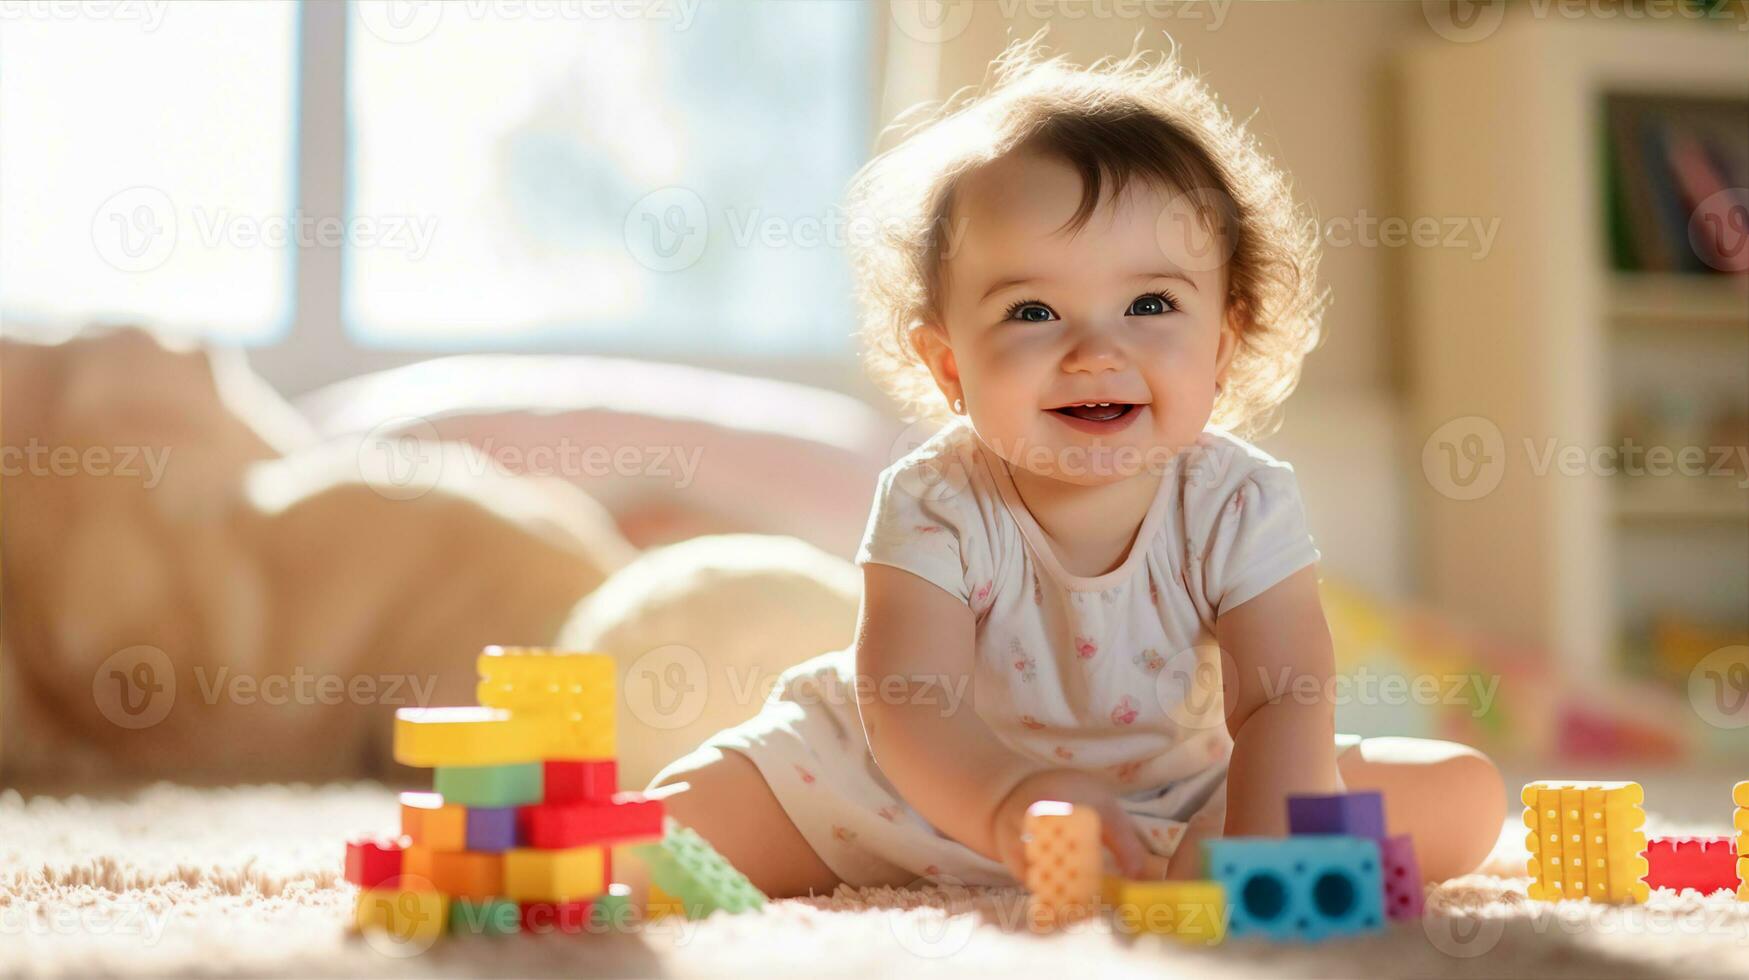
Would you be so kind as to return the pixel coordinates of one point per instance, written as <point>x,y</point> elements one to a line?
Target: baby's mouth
<point>1097,411</point>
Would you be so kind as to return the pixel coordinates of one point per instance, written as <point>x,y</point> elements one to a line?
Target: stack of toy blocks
<point>1740,795</point>
<point>1586,841</point>
<point>517,835</point>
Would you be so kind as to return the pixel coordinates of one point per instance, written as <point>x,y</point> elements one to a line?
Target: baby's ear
<point>1232,328</point>
<point>929,340</point>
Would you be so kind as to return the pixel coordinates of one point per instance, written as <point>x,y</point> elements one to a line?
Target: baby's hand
<point>1081,789</point>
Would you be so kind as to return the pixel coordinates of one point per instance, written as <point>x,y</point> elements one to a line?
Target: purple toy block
<point>1404,896</point>
<point>491,829</point>
<point>1354,814</point>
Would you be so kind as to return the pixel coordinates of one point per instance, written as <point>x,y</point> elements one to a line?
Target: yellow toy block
<point>467,736</point>
<point>1740,794</point>
<point>541,681</point>
<point>1586,841</point>
<point>660,903</point>
<point>429,822</point>
<point>406,915</point>
<point>1061,845</point>
<point>554,876</point>
<point>1192,911</point>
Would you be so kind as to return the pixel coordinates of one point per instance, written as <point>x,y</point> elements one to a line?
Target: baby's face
<point>1037,321</point>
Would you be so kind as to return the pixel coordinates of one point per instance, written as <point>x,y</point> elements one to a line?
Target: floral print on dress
<point>1022,661</point>
<point>1038,594</point>
<point>1085,648</point>
<point>980,599</point>
<point>1028,721</point>
<point>1150,660</point>
<point>1125,711</point>
<point>1126,772</point>
<point>1063,753</point>
<point>807,777</point>
<point>843,834</point>
<point>888,813</point>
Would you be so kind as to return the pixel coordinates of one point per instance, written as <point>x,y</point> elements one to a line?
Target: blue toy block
<point>491,829</point>
<point>1299,888</point>
<point>1352,814</point>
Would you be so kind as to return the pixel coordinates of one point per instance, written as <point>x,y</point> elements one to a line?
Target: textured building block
<point>1705,864</point>
<point>624,818</point>
<point>1299,888</point>
<point>1740,795</point>
<point>567,781</point>
<point>1586,841</point>
<point>568,918</point>
<point>1192,911</point>
<point>1061,846</point>
<point>489,786</point>
<point>684,866</point>
<point>488,917</point>
<point>554,876</point>
<point>428,821</point>
<point>1405,898</point>
<point>544,681</point>
<point>468,736</point>
<point>492,829</point>
<point>371,861</point>
<point>1351,814</point>
<point>659,903</point>
<point>406,915</point>
<point>467,874</point>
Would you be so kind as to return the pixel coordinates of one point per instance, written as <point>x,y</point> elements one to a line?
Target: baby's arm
<point>915,655</point>
<point>1287,745</point>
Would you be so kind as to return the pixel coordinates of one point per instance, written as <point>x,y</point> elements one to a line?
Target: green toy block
<point>613,910</point>
<point>492,917</point>
<point>492,787</point>
<point>689,869</point>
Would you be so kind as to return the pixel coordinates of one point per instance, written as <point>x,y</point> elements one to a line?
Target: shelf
<point>1675,299</point>
<point>1686,500</point>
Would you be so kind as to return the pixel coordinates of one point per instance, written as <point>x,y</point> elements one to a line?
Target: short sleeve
<point>920,522</point>
<point>1259,535</point>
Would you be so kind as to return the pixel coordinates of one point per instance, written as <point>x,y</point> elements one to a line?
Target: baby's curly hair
<point>1116,120</point>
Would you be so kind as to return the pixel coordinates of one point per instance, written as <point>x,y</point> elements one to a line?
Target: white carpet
<point>172,880</point>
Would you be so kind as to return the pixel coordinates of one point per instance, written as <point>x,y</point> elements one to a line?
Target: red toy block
<point>560,826</point>
<point>372,861</point>
<point>1705,864</point>
<point>580,782</point>
<point>1404,896</point>
<point>570,918</point>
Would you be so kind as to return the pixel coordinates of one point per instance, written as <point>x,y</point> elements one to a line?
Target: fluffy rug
<point>245,881</point>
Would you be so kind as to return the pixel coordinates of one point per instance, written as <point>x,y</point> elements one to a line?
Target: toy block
<point>568,918</point>
<point>489,786</point>
<point>1350,814</point>
<point>467,736</point>
<point>428,821</point>
<point>406,915</point>
<point>1740,795</point>
<point>539,681</point>
<point>486,917</point>
<point>1405,898</point>
<point>370,862</point>
<point>1585,841</point>
<point>567,781</point>
<point>553,876</point>
<point>492,829</point>
<point>459,874</point>
<point>1299,888</point>
<point>1192,911</point>
<point>659,903</point>
<point>626,817</point>
<point>687,868</point>
<point>1061,846</point>
<point>614,910</point>
<point>1705,864</point>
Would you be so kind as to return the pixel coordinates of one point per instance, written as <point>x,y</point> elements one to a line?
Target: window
<point>146,165</point>
<point>563,176</point>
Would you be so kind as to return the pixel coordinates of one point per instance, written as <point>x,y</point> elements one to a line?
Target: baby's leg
<point>729,804</point>
<point>1448,796</point>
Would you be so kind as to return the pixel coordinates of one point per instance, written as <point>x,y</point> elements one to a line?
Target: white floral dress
<point>1115,673</point>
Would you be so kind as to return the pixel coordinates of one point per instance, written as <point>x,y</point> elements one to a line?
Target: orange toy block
<point>1063,875</point>
<point>1740,796</point>
<point>473,875</point>
<point>427,821</point>
<point>1586,841</point>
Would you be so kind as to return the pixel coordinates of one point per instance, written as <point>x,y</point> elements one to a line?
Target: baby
<point>1085,586</point>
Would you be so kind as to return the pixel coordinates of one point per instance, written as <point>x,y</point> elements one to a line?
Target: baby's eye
<point>1150,304</point>
<point>1031,311</point>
